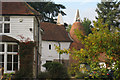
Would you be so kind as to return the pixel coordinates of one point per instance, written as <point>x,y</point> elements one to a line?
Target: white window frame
<point>5,22</point>
<point>5,57</point>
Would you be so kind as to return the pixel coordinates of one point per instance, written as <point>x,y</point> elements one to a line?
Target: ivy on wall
<point>26,52</point>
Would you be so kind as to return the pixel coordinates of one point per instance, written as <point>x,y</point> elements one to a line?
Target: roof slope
<point>4,38</point>
<point>17,8</point>
<point>53,32</point>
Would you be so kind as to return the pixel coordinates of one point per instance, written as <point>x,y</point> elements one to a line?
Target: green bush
<point>81,75</point>
<point>56,70</point>
<point>44,75</point>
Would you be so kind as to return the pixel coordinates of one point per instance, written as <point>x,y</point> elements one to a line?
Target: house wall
<point>52,55</point>
<point>21,28</point>
<point>38,41</point>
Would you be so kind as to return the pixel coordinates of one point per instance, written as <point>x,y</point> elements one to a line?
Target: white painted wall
<point>50,55</point>
<point>21,28</point>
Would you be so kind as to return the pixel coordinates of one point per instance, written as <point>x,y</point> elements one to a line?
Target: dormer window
<point>5,24</point>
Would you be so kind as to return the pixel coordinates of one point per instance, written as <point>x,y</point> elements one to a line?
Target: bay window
<point>9,60</point>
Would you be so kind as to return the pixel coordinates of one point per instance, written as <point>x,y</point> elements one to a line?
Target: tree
<point>101,41</point>
<point>68,28</point>
<point>87,25</point>
<point>109,12</point>
<point>49,10</point>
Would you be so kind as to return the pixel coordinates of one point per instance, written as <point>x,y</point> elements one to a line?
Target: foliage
<point>44,75</point>
<point>100,41</point>
<point>87,25</point>
<point>7,76</point>
<point>49,10</point>
<point>109,12</point>
<point>61,51</point>
<point>56,70</point>
<point>26,60</point>
<point>68,28</point>
<point>81,75</point>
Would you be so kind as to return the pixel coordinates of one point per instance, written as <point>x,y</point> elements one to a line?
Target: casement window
<point>49,47</point>
<point>9,58</point>
<point>48,61</point>
<point>4,24</point>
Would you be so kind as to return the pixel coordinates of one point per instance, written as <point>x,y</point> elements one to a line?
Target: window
<point>49,47</point>
<point>1,47</point>
<point>12,62</point>
<point>6,18</point>
<point>9,62</point>
<point>0,28</point>
<point>48,61</point>
<point>6,28</point>
<point>1,60</point>
<point>12,48</point>
<point>15,62</point>
<point>9,59</point>
<point>5,24</point>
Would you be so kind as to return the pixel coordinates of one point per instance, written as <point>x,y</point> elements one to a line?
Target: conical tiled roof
<point>76,44</point>
<point>76,26</point>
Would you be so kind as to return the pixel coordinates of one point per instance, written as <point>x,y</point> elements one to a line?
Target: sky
<point>86,9</point>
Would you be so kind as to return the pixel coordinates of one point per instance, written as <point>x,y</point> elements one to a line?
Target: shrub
<point>56,70</point>
<point>81,75</point>
<point>44,75</point>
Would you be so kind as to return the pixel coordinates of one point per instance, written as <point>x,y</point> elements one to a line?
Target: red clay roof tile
<point>17,8</point>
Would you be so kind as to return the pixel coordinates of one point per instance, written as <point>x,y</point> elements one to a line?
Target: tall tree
<point>109,11</point>
<point>99,45</point>
<point>49,10</point>
<point>87,25</point>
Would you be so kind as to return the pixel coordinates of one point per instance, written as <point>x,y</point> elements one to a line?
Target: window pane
<point>9,66</point>
<point>9,58</point>
<point>1,18</point>
<point>6,28</point>
<point>49,47</point>
<point>15,66</point>
<point>7,18</point>
<point>9,48</point>
<point>1,58</point>
<point>0,28</point>
<point>15,48</point>
<point>48,61</point>
<point>1,47</point>
<point>15,58</point>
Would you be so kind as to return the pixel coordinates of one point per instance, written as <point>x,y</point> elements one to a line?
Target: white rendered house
<point>54,34</point>
<point>18,22</point>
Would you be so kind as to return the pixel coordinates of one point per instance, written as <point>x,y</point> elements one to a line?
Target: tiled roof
<point>4,38</point>
<point>53,32</point>
<point>17,8</point>
<point>77,43</point>
<point>76,26</point>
